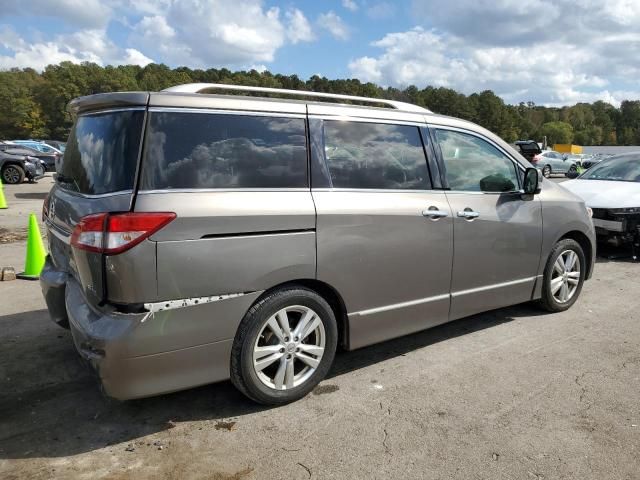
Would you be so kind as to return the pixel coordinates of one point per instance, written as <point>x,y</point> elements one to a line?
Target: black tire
<point>573,168</point>
<point>548,300</point>
<point>12,174</point>
<point>243,373</point>
<point>546,171</point>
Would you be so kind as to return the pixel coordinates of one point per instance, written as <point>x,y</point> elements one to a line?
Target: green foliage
<point>557,132</point>
<point>34,104</point>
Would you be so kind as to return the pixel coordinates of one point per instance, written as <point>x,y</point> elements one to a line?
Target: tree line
<point>34,104</point>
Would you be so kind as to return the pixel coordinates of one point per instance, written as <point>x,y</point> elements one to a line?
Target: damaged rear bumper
<point>143,354</point>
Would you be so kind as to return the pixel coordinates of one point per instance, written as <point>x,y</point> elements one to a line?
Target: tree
<point>557,132</point>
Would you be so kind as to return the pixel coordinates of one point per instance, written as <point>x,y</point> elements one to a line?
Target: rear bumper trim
<point>188,302</point>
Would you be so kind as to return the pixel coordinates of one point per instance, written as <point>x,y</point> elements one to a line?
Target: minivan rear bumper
<point>111,342</point>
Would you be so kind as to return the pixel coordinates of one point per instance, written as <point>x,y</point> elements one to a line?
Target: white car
<point>611,189</point>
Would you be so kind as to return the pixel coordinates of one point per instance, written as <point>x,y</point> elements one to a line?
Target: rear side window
<point>102,153</point>
<point>375,156</point>
<point>207,150</point>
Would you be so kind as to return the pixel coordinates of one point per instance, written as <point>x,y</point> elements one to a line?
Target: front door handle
<point>434,213</point>
<point>468,214</point>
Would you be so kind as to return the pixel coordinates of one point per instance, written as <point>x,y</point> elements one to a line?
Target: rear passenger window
<point>375,156</point>
<point>207,150</point>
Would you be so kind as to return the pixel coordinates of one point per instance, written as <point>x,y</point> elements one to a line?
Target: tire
<point>12,174</point>
<point>573,168</point>
<point>546,171</point>
<point>268,379</point>
<point>552,301</point>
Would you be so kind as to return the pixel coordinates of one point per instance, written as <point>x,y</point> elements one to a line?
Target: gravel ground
<point>510,394</point>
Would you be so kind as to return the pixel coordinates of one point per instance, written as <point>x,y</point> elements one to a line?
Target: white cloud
<point>135,57</point>
<point>81,46</point>
<point>81,13</point>
<point>542,73</point>
<point>332,22</point>
<point>298,29</point>
<point>350,5</point>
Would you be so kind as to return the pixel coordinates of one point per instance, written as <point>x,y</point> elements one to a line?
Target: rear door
<point>97,175</point>
<point>497,231</point>
<point>238,182</point>
<point>384,235</point>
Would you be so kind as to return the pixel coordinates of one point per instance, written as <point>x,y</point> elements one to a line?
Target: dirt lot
<point>511,394</point>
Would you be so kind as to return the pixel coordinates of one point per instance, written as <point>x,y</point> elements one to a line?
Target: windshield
<point>622,169</point>
<point>102,153</point>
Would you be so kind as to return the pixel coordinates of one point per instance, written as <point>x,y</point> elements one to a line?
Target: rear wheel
<point>12,174</point>
<point>284,347</point>
<point>546,171</point>
<point>563,276</point>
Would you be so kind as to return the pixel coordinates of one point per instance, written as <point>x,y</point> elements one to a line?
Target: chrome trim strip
<point>396,306</point>
<point>154,307</point>
<point>367,119</point>
<point>59,235</point>
<point>100,195</point>
<point>494,286</point>
<point>222,190</point>
<point>110,110</point>
<point>374,190</point>
<point>218,111</point>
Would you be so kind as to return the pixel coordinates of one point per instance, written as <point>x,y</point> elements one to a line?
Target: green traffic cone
<point>35,252</point>
<point>3,201</point>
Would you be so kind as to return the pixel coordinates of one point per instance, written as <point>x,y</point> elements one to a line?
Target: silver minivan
<point>196,237</point>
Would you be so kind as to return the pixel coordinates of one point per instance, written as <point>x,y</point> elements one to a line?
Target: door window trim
<point>443,169</point>
<point>319,168</point>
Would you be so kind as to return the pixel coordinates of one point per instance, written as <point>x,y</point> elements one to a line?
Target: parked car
<point>249,236</point>
<point>528,148</point>
<point>40,146</point>
<point>612,190</point>
<point>49,159</point>
<point>551,162</point>
<point>56,144</point>
<point>15,168</point>
<point>594,160</point>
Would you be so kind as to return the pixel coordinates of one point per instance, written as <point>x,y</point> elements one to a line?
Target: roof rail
<point>202,87</point>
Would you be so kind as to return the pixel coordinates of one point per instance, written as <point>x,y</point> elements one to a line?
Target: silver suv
<point>197,237</point>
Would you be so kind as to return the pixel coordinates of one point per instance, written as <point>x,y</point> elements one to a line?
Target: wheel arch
<point>329,294</point>
<point>586,245</point>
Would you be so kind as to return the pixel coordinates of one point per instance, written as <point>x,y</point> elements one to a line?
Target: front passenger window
<point>473,164</point>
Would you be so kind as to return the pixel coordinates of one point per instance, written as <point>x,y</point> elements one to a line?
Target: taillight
<point>115,233</point>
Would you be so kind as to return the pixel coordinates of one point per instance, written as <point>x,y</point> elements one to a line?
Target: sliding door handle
<point>435,213</point>
<point>468,214</point>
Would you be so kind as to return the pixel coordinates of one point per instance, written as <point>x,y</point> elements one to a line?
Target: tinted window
<point>102,153</point>
<point>473,164</point>
<point>621,169</point>
<point>373,155</point>
<point>205,150</point>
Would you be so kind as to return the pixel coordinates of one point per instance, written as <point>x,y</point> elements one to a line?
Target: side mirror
<point>572,174</point>
<point>532,180</point>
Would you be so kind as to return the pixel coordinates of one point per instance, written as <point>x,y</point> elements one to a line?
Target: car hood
<point>604,193</point>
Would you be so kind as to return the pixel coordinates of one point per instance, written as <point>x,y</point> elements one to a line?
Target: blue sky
<point>552,52</point>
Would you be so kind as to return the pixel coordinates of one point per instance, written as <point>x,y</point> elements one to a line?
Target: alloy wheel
<point>565,277</point>
<point>289,348</point>
<point>11,175</point>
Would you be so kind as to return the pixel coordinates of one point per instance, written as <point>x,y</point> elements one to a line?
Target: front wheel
<point>563,276</point>
<point>284,346</point>
<point>546,171</point>
<point>13,174</point>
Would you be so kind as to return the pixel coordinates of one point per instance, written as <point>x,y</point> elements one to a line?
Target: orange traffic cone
<point>35,252</point>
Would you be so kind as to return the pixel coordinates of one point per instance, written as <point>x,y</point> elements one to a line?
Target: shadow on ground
<point>31,196</point>
<point>50,404</point>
